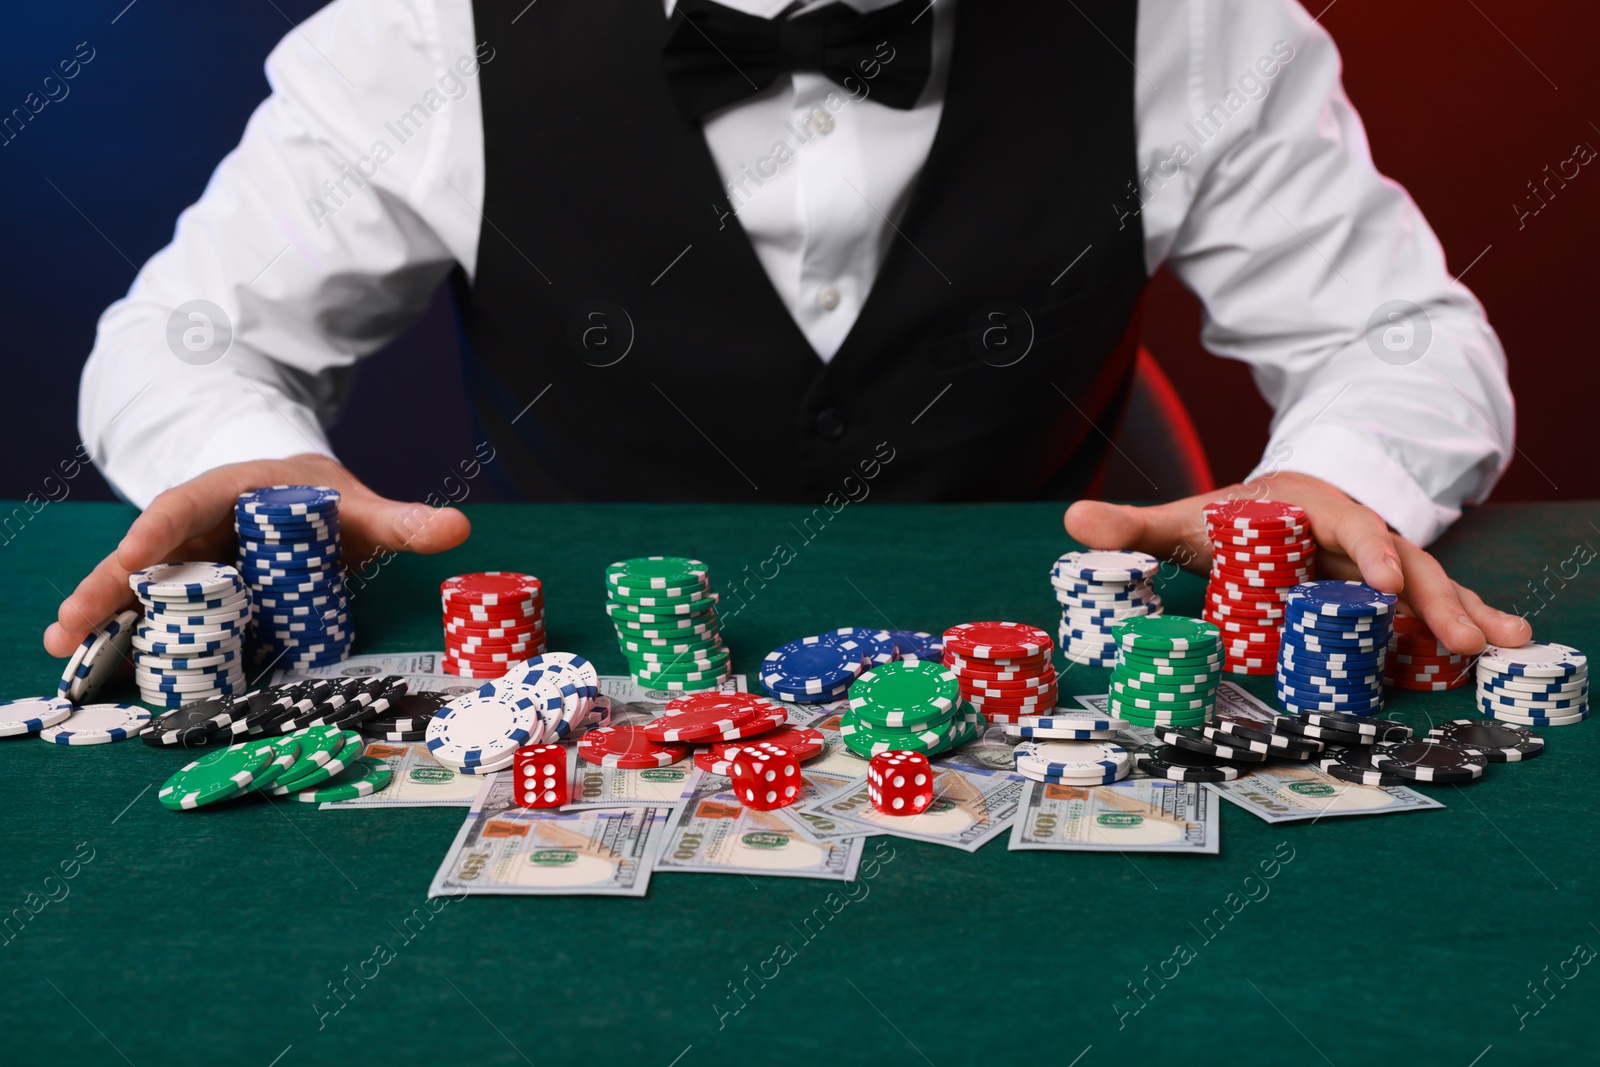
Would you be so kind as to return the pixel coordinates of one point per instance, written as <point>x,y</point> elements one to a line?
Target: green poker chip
<point>1166,633</point>
<point>1150,700</point>
<point>362,778</point>
<point>217,776</point>
<point>285,754</point>
<point>686,603</point>
<point>867,740</point>
<point>661,575</point>
<point>649,648</point>
<point>1166,683</point>
<point>621,613</point>
<point>349,751</point>
<point>905,693</point>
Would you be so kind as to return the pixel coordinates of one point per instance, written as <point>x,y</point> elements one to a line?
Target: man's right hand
<point>194,521</point>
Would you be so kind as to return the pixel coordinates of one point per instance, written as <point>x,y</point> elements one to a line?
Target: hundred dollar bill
<point>504,849</point>
<point>714,834</point>
<point>632,703</point>
<point>610,787</point>
<point>1148,815</point>
<point>814,827</point>
<point>968,809</point>
<point>417,780</point>
<point>1291,792</point>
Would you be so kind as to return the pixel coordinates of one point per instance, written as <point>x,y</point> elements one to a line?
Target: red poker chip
<point>504,637</point>
<point>997,640</point>
<point>1410,626</point>
<point>1243,579</point>
<point>803,743</point>
<point>494,615</point>
<point>471,656</point>
<point>491,587</point>
<point>706,722</point>
<point>1047,699</point>
<point>1234,626</point>
<point>1008,715</point>
<point>628,747</point>
<point>765,722</point>
<point>1235,610</point>
<point>1251,669</point>
<point>1247,599</point>
<point>1020,668</point>
<point>491,651</point>
<point>1274,552</point>
<point>1264,662</point>
<point>1254,514</point>
<point>1261,564</point>
<point>711,697</point>
<point>462,670</point>
<point>1037,684</point>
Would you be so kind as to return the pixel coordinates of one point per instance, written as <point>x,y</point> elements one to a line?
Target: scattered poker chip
<point>1497,742</point>
<point>193,724</point>
<point>101,657</point>
<point>1354,765</point>
<point>810,667</point>
<point>1228,747</point>
<point>996,640</point>
<point>1283,746</point>
<point>217,776</point>
<point>1183,765</point>
<point>704,722</point>
<point>98,724</point>
<point>802,742</point>
<point>877,647</point>
<point>1428,760</point>
<point>479,728</point>
<point>628,747</point>
<point>407,713</point>
<point>362,778</point>
<point>348,747</point>
<point>1536,659</point>
<point>32,714</point>
<point>282,754</point>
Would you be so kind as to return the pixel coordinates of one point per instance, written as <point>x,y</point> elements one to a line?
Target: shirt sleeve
<point>354,190</point>
<point>1260,193</point>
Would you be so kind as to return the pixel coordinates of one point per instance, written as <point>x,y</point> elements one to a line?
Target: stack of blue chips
<point>289,556</point>
<point>1335,635</point>
<point>819,670</point>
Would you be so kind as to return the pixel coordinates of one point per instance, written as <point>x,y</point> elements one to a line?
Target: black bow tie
<point>716,56</point>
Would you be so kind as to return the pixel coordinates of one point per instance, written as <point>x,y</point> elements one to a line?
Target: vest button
<point>827,298</point>
<point>830,423</point>
<point>821,120</point>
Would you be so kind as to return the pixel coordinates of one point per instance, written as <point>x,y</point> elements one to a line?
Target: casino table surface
<point>1462,936</point>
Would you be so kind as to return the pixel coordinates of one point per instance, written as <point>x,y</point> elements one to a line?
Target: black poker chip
<point>1361,725</point>
<point>1280,746</point>
<point>406,714</point>
<point>195,725</point>
<point>1295,725</point>
<point>1191,739</point>
<point>1497,742</point>
<point>1181,765</point>
<point>1353,763</point>
<point>1428,759</point>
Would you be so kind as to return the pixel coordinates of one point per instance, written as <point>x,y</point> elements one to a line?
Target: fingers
<point>1501,628</point>
<point>1362,535</point>
<point>374,523</point>
<point>1434,597</point>
<point>99,596</point>
<point>1172,531</point>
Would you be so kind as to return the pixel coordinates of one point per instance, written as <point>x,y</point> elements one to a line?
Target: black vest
<point>692,382</point>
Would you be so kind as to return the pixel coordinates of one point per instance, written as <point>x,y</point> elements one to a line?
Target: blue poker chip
<point>288,598</point>
<point>1356,698</point>
<point>1333,642</point>
<point>1305,661</point>
<point>1380,633</point>
<point>1339,598</point>
<point>280,500</point>
<point>1103,592</point>
<point>287,561</point>
<point>877,646</point>
<point>1308,679</point>
<point>1046,733</point>
<point>914,644</point>
<point>811,665</point>
<point>1311,702</point>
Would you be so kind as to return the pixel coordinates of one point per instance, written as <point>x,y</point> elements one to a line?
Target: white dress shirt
<point>1259,193</point>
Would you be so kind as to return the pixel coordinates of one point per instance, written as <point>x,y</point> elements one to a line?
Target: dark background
<point>1465,102</point>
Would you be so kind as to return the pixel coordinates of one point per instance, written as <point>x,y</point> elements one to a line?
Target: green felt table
<point>218,938</point>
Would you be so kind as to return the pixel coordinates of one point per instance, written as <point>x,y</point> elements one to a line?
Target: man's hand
<point>194,521</point>
<point>1352,541</point>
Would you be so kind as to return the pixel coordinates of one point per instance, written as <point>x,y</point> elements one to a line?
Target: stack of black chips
<point>349,703</point>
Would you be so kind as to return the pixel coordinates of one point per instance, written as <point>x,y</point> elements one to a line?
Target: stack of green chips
<point>911,705</point>
<point>665,615</point>
<point>1167,670</point>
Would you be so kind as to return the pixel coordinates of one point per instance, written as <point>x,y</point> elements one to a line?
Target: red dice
<point>900,783</point>
<point>539,776</point>
<point>764,776</point>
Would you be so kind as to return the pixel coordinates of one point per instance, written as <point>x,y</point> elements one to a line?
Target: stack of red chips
<point>1417,660</point>
<point>1004,668</point>
<point>1260,550</point>
<point>492,619</point>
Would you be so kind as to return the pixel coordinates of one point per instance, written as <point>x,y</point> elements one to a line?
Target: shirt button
<point>827,298</point>
<point>821,120</point>
<point>830,423</point>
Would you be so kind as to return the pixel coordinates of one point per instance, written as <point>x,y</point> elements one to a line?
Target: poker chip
<point>1497,742</point>
<point>289,557</point>
<point>904,693</point>
<point>479,729</point>
<point>1182,765</point>
<point>1331,653</point>
<point>341,748</point>
<point>628,747</point>
<point>1428,759</point>
<point>102,656</point>
<point>1166,670</point>
<point>1082,763</point>
<point>706,721</point>
<point>877,647</point>
<point>1277,745</point>
<point>665,617</point>
<point>32,714</point>
<point>1538,684</point>
<point>910,644</point>
<point>1225,746</point>
<point>811,667</point>
<point>1002,672</point>
<point>1095,590</point>
<point>1259,550</point>
<point>181,651</point>
<point>218,776</point>
<point>1354,765</point>
<point>98,724</point>
<point>803,743</point>
<point>361,778</point>
<point>996,640</point>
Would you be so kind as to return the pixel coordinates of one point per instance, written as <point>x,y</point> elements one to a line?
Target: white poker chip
<point>482,730</point>
<point>106,656</point>
<point>70,673</point>
<point>31,714</point>
<point>185,581</point>
<point>98,724</point>
<point>1106,566</point>
<point>1536,659</point>
<point>1072,758</point>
